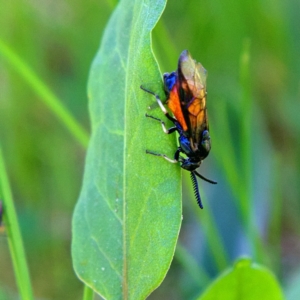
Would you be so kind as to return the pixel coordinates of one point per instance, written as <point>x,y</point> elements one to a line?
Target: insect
<point>185,90</point>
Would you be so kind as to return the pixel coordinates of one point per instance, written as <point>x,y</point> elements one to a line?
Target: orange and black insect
<point>185,90</point>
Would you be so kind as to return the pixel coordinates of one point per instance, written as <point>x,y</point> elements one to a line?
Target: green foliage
<point>51,101</point>
<point>247,281</point>
<point>127,220</point>
<point>251,53</point>
<point>14,235</point>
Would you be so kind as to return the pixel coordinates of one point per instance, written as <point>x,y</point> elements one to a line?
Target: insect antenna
<point>204,178</point>
<point>196,189</point>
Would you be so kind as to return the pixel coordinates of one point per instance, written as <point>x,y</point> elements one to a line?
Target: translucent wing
<point>192,94</point>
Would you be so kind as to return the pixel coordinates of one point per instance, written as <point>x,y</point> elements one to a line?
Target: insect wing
<point>192,77</point>
<point>192,93</point>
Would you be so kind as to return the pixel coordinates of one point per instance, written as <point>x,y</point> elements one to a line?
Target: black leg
<point>167,131</point>
<point>160,104</point>
<point>176,155</point>
<point>173,161</point>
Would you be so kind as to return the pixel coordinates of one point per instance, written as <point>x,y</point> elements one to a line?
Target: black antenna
<point>203,178</point>
<point>196,189</point>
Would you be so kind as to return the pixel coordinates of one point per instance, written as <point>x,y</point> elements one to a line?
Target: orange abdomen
<point>174,104</point>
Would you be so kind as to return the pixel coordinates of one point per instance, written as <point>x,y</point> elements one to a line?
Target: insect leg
<point>168,131</point>
<point>160,104</point>
<point>173,161</point>
<point>176,155</point>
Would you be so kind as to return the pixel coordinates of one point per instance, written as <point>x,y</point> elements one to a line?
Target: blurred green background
<point>254,209</point>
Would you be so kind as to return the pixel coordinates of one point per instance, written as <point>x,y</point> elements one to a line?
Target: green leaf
<point>14,236</point>
<point>245,281</point>
<point>128,216</point>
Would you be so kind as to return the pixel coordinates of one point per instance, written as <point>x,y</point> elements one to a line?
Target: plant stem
<point>14,237</point>
<point>45,94</point>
